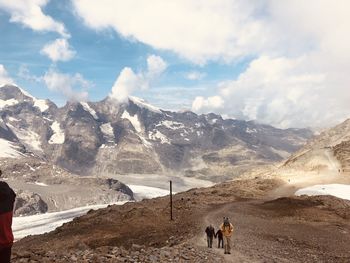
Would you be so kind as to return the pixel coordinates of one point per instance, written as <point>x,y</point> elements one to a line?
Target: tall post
<point>171,200</point>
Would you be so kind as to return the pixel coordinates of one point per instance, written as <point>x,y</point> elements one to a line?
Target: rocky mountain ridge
<point>107,137</point>
<point>330,149</point>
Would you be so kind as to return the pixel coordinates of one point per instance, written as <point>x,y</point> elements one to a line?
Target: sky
<point>283,63</point>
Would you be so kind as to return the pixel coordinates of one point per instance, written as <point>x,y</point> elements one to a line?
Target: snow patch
<point>43,223</point>
<point>199,133</point>
<point>104,146</point>
<point>8,149</point>
<point>338,190</point>
<point>45,118</point>
<point>157,135</point>
<point>133,119</point>
<point>58,134</point>
<point>41,104</point>
<point>173,125</point>
<point>145,142</point>
<point>13,119</point>
<point>30,138</point>
<point>10,102</point>
<point>87,108</point>
<point>143,104</point>
<point>31,168</point>
<point>250,130</point>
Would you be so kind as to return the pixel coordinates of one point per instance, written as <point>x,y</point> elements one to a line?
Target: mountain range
<point>108,138</point>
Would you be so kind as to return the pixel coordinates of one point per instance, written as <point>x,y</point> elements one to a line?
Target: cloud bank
<point>304,83</point>
<point>198,30</point>
<point>128,81</point>
<point>299,52</point>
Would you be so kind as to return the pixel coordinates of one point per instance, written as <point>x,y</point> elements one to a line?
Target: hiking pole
<point>171,200</point>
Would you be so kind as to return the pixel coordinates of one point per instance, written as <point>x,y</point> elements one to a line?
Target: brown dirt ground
<point>290,229</point>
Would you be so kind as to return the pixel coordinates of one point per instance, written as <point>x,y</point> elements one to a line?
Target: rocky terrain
<point>318,153</point>
<point>107,138</point>
<point>271,223</point>
<point>42,187</point>
<point>289,229</point>
<point>323,160</point>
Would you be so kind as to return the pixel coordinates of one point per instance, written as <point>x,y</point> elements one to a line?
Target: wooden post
<point>171,200</point>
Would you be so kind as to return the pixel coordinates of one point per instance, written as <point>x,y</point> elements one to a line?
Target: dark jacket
<point>7,200</point>
<point>219,234</point>
<point>210,231</point>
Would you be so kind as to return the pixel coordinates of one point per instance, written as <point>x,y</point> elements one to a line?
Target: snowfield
<point>141,191</point>
<point>58,136</point>
<point>42,223</point>
<point>133,119</point>
<point>337,190</point>
<point>8,149</point>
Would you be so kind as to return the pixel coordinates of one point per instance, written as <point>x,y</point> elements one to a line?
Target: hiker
<point>220,238</point>
<point>7,199</point>
<point>227,229</point>
<point>210,235</point>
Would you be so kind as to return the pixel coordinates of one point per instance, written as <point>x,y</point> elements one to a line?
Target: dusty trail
<point>262,237</point>
<point>215,218</point>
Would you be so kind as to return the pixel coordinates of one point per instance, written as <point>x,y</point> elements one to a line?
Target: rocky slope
<point>328,151</point>
<point>106,137</point>
<point>290,229</point>
<point>42,187</point>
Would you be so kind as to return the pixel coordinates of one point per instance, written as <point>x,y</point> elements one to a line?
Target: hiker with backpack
<point>7,200</point>
<point>220,238</point>
<point>227,230</point>
<point>210,231</point>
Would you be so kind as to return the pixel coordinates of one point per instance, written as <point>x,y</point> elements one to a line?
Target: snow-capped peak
<point>143,104</point>
<point>39,103</point>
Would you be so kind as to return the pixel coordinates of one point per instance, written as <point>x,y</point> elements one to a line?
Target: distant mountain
<point>329,150</point>
<point>107,137</point>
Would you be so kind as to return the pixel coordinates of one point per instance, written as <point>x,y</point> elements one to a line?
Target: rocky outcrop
<point>29,203</point>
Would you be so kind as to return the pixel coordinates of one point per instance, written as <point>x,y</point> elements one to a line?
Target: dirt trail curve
<point>262,236</point>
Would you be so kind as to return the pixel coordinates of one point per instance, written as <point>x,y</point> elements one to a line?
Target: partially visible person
<point>7,200</point>
<point>220,238</point>
<point>227,230</point>
<point>210,231</point>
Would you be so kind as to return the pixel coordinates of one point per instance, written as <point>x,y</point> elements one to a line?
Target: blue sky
<point>100,56</point>
<point>276,62</point>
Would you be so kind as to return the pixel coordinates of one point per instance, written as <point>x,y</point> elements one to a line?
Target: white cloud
<point>285,93</point>
<point>24,73</point>
<point>300,76</point>
<point>195,75</point>
<point>128,81</point>
<point>58,50</point>
<point>4,76</point>
<point>207,105</point>
<point>67,84</point>
<point>30,14</point>
<point>198,30</point>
